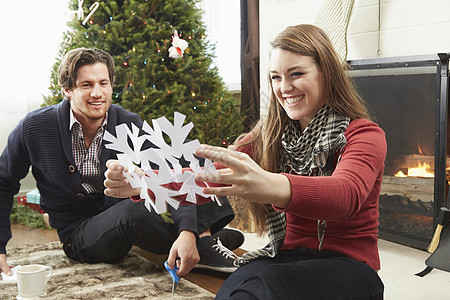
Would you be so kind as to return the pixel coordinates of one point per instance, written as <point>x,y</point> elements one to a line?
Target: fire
<point>422,170</point>
<point>420,150</point>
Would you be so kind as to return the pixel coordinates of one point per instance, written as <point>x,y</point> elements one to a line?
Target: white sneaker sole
<point>216,268</point>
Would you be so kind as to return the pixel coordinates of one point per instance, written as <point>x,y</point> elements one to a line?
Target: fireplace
<point>408,98</point>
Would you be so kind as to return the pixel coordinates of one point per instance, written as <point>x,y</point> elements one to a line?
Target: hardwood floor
<point>207,279</point>
<point>24,235</point>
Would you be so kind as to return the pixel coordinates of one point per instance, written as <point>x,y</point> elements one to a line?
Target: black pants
<point>108,236</point>
<point>303,274</point>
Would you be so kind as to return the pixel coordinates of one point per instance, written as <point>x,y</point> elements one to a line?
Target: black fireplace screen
<point>407,97</point>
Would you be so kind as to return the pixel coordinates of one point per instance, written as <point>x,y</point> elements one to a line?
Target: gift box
<point>33,197</point>
<point>22,200</point>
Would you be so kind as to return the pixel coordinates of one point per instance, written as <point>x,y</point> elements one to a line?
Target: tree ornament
<point>80,12</point>
<point>68,39</point>
<point>178,46</point>
<point>93,8</point>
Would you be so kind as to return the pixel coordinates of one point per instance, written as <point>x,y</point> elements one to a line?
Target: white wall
<point>31,32</point>
<point>408,27</point>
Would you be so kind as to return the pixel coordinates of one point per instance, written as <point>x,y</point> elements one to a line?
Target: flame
<point>400,174</point>
<point>420,150</point>
<point>422,170</point>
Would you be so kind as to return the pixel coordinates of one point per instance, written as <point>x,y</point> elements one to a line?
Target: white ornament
<point>178,46</point>
<point>93,8</point>
<point>80,12</point>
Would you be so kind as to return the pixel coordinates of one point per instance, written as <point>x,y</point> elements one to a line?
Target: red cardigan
<point>348,199</point>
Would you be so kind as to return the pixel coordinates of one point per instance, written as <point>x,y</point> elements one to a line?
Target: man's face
<point>90,99</point>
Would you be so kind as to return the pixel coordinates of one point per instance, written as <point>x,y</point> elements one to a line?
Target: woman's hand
<point>244,178</point>
<point>116,183</point>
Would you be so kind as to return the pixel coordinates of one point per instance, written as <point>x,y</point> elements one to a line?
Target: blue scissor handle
<point>172,272</point>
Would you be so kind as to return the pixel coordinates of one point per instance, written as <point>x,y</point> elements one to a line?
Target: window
<point>223,24</point>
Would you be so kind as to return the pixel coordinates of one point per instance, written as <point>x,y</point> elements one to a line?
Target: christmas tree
<point>156,74</point>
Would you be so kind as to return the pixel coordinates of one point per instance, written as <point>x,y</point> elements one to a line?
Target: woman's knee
<point>299,280</point>
<point>250,282</point>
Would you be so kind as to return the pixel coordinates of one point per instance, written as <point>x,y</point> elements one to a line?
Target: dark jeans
<point>108,236</point>
<point>303,274</point>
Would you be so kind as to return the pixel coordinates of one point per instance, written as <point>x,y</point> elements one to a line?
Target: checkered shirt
<point>88,159</point>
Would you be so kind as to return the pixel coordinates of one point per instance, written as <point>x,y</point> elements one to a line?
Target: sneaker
<point>215,256</point>
<point>231,238</point>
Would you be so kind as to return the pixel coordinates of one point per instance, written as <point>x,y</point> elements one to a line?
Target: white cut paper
<point>129,145</point>
<point>13,277</point>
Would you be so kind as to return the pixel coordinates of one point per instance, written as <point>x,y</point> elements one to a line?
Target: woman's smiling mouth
<point>293,100</point>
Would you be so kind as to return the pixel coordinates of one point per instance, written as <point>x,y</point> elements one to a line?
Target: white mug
<point>32,280</point>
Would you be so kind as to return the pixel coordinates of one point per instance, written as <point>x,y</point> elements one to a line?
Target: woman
<point>311,172</point>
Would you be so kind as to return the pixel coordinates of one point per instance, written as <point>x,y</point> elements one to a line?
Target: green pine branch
<point>24,215</point>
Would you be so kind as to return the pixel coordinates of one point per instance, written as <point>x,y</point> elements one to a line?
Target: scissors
<point>175,277</point>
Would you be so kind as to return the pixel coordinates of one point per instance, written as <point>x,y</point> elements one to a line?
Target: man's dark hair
<point>76,58</point>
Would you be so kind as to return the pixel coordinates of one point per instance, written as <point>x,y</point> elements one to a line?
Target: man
<point>64,146</point>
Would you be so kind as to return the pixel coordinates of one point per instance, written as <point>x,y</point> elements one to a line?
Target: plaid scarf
<point>312,152</point>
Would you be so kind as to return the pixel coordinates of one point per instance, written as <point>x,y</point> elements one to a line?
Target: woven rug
<point>134,277</point>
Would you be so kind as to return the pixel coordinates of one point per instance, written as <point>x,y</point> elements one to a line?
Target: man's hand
<point>116,183</point>
<point>184,248</point>
<point>4,266</point>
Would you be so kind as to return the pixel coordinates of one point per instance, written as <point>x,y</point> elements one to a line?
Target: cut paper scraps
<point>170,184</point>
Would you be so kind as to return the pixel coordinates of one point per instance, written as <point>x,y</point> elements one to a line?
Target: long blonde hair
<point>306,40</point>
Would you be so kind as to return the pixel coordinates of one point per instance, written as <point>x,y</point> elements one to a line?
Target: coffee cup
<point>32,280</point>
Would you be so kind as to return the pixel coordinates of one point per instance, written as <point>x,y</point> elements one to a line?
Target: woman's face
<point>297,83</point>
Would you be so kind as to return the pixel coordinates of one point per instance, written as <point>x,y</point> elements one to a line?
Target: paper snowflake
<point>170,184</point>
